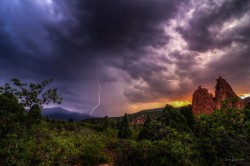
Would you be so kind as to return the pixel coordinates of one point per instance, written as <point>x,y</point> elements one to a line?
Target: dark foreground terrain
<point>168,136</point>
<point>174,137</point>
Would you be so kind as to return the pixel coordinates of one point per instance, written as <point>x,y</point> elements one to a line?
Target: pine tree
<point>173,118</point>
<point>186,111</point>
<point>125,130</point>
<point>145,132</point>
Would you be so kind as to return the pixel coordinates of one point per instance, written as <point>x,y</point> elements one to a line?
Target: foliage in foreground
<point>174,138</point>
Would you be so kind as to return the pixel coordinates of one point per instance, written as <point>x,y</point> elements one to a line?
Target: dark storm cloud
<point>203,34</point>
<point>113,31</point>
<point>234,66</point>
<point>72,41</point>
<point>20,44</point>
<point>129,23</point>
<point>77,42</point>
<point>198,33</point>
<point>155,84</point>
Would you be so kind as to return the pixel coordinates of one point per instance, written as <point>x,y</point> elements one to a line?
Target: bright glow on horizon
<point>245,95</point>
<point>145,106</point>
<point>179,103</point>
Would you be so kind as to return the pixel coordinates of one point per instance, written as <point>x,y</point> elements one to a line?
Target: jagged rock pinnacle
<point>204,102</point>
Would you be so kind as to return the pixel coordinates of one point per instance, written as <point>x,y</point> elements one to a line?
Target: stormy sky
<point>145,53</point>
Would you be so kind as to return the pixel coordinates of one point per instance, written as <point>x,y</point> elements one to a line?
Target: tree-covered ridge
<point>174,137</point>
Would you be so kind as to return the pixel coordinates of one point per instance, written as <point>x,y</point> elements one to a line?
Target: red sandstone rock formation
<point>204,102</point>
<point>247,100</point>
<point>223,91</point>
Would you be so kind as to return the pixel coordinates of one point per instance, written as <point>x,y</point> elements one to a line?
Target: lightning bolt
<point>99,98</point>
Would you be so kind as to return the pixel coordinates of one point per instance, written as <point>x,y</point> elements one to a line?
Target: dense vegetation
<point>175,137</point>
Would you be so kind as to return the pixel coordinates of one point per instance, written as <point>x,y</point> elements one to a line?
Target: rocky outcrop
<point>247,100</point>
<point>224,92</point>
<point>204,102</point>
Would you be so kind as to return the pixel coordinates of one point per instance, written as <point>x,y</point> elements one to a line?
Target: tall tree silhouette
<point>125,130</point>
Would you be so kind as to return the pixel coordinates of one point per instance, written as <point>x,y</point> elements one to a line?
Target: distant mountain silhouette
<point>146,112</point>
<point>59,113</point>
